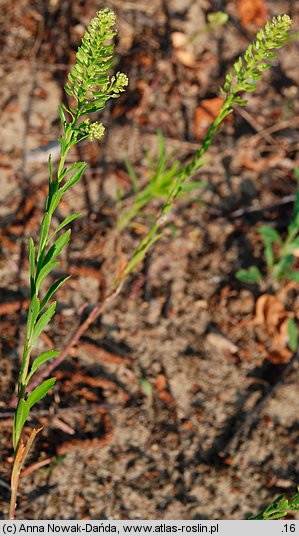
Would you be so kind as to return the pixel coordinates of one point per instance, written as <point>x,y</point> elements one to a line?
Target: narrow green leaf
<point>293,334</point>
<point>20,419</point>
<point>190,186</point>
<point>132,174</point>
<point>61,115</point>
<point>40,360</point>
<point>40,392</point>
<point>75,177</point>
<point>50,168</point>
<point>33,312</point>
<point>44,232</point>
<point>43,322</point>
<point>65,222</point>
<point>57,247</point>
<point>56,198</point>
<point>53,288</point>
<point>251,275</point>
<point>32,266</point>
<point>67,171</point>
<point>45,270</point>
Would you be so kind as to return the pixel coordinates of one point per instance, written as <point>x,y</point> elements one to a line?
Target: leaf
<point>65,222</point>
<point>75,177</point>
<point>32,265</point>
<point>251,275</point>
<point>20,419</point>
<point>44,232</point>
<point>69,170</point>
<point>33,312</point>
<point>58,246</point>
<point>132,175</point>
<point>40,392</point>
<point>50,169</point>
<point>269,234</point>
<point>53,288</point>
<point>44,272</point>
<point>190,186</point>
<point>43,322</point>
<point>293,334</point>
<point>294,276</point>
<point>56,198</point>
<point>40,360</point>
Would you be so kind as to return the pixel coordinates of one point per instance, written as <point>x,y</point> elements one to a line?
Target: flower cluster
<point>257,57</point>
<point>95,131</point>
<point>88,81</point>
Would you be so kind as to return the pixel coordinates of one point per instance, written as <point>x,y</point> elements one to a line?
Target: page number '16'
<point>289,528</point>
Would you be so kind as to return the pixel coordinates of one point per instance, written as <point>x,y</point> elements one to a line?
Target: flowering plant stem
<point>90,87</point>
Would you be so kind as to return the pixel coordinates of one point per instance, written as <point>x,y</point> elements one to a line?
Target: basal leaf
<point>43,322</point>
<point>40,360</point>
<point>20,419</point>
<point>251,275</point>
<point>40,392</point>
<point>269,234</point>
<point>53,288</point>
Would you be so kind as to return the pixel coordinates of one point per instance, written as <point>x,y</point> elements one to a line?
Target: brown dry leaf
<point>252,11</point>
<point>205,115</point>
<point>184,49</point>
<point>270,312</point>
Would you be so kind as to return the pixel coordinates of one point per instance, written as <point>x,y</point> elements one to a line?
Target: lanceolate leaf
<point>67,171</point>
<point>44,232</point>
<point>65,222</point>
<point>32,267</point>
<point>33,312</point>
<point>56,198</point>
<point>75,177</point>
<point>40,392</point>
<point>40,360</point>
<point>53,288</point>
<point>58,246</point>
<point>43,322</point>
<point>44,272</point>
<point>20,419</point>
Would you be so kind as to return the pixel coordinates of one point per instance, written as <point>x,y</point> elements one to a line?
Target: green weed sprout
<point>163,172</point>
<point>279,508</point>
<point>280,261</point>
<point>90,86</point>
<point>246,73</point>
<point>279,253</point>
